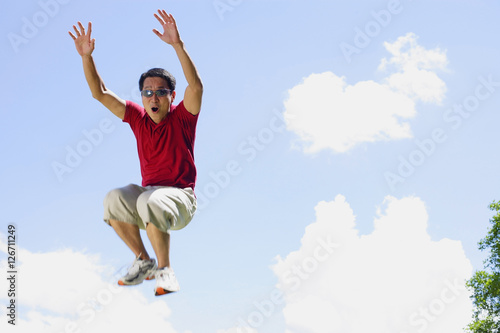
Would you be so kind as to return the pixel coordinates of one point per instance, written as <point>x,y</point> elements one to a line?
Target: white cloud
<point>313,313</point>
<point>395,279</point>
<point>327,113</point>
<point>414,76</point>
<point>69,291</point>
<point>245,329</point>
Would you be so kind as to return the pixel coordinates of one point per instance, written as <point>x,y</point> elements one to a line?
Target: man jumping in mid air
<point>165,136</point>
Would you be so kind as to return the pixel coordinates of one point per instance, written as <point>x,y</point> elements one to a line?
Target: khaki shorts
<point>168,208</point>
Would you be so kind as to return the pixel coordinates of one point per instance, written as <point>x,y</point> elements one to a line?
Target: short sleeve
<point>188,119</point>
<point>133,112</point>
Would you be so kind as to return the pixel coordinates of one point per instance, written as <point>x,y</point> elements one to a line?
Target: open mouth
<point>155,110</point>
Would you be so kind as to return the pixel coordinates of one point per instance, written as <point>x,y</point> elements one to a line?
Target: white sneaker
<point>165,281</point>
<point>138,272</point>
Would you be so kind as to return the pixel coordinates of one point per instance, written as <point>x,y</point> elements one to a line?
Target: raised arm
<point>85,46</point>
<point>171,36</point>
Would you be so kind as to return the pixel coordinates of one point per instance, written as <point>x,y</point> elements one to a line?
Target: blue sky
<point>343,148</point>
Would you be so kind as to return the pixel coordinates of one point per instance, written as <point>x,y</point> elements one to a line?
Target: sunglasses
<point>159,92</point>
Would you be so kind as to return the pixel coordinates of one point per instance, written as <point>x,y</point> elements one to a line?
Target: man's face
<point>157,107</point>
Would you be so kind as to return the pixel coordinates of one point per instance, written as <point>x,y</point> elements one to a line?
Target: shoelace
<point>136,266</point>
<point>134,269</point>
<point>163,272</point>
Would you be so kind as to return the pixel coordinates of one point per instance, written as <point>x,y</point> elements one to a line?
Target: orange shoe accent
<point>120,282</point>
<point>160,291</point>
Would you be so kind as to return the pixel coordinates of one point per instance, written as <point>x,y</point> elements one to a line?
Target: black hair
<point>158,72</point>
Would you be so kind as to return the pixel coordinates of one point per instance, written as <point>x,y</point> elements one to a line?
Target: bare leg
<point>130,234</point>
<point>161,244</point>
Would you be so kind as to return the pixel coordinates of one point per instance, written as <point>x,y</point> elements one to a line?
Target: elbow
<point>98,90</point>
<point>98,94</point>
<point>198,87</point>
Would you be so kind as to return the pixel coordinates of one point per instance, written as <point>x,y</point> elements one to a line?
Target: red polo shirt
<point>166,150</point>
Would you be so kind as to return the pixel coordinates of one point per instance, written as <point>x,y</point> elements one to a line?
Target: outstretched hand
<point>83,42</point>
<point>170,32</point>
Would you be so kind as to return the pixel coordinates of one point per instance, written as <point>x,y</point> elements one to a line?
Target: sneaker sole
<point>160,291</point>
<point>121,283</point>
<point>150,277</point>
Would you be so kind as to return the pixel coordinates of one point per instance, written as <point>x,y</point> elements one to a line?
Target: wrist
<point>179,44</point>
